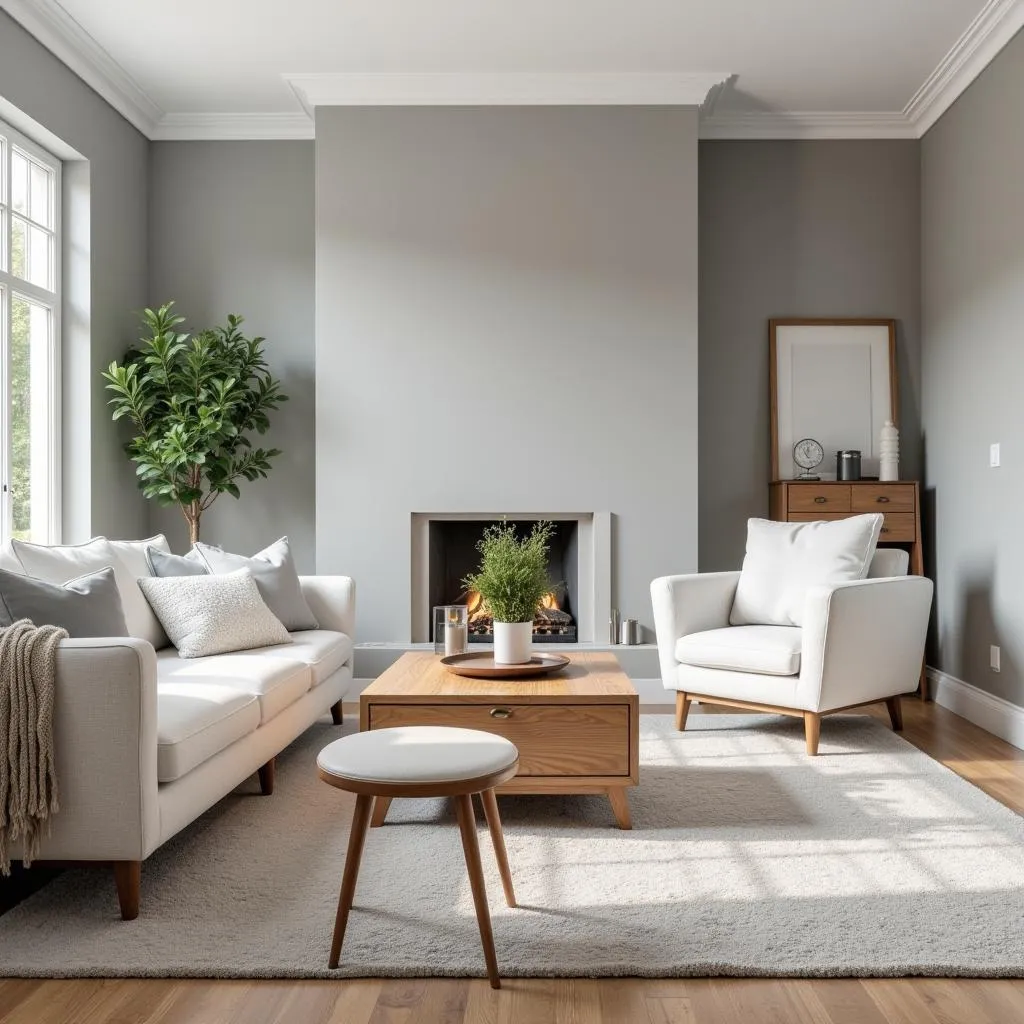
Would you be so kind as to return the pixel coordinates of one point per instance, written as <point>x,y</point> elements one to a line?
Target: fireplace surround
<point>443,552</point>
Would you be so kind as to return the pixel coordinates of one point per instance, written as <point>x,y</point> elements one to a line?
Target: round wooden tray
<point>483,666</point>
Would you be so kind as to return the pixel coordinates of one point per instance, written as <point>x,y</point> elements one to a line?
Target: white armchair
<point>861,643</point>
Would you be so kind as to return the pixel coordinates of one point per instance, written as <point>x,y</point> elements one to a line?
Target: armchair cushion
<point>766,650</point>
<point>784,560</point>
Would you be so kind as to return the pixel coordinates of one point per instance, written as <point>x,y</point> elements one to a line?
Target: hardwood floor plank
<point>355,1000</point>
<point>578,1001</point>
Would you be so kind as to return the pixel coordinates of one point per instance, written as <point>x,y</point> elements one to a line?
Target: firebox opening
<point>453,556</point>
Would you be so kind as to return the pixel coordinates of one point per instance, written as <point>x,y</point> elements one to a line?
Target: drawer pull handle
<point>882,499</point>
<point>885,529</point>
<point>820,500</point>
<point>501,713</point>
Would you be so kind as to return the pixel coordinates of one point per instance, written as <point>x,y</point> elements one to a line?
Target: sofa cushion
<point>87,606</point>
<point>196,720</point>
<point>766,650</point>
<point>323,650</point>
<point>784,560</point>
<point>276,683</point>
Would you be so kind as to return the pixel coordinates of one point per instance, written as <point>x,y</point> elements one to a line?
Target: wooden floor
<point>996,767</point>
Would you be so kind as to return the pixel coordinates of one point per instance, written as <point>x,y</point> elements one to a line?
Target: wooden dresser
<point>797,501</point>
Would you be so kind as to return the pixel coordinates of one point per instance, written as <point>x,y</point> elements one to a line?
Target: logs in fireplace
<point>551,624</point>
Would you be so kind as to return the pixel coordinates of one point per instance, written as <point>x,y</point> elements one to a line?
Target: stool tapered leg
<point>356,838</point>
<point>467,825</point>
<point>490,802</point>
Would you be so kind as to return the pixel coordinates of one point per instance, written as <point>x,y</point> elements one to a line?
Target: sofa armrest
<point>105,746</point>
<point>863,641</point>
<point>688,604</point>
<point>332,599</point>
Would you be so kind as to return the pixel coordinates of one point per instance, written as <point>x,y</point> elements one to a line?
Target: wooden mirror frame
<point>773,369</point>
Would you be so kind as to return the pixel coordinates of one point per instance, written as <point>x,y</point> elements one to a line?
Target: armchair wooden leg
<point>336,715</point>
<point>895,713</point>
<point>682,709</point>
<point>812,730</point>
<point>128,879</point>
<point>266,773</point>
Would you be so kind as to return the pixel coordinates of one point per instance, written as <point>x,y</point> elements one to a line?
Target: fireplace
<point>453,555</point>
<point>443,551</point>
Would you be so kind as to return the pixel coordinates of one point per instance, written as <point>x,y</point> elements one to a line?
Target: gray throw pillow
<point>87,606</point>
<point>163,563</point>
<point>274,571</point>
<point>211,614</point>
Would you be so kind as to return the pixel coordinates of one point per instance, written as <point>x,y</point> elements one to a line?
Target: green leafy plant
<point>192,400</point>
<point>513,575</point>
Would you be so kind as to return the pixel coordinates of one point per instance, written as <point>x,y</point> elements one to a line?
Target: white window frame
<point>10,284</point>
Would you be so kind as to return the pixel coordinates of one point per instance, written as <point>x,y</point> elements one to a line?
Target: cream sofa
<point>146,741</point>
<point>862,642</point>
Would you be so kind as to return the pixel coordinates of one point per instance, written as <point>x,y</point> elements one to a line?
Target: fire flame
<point>477,609</point>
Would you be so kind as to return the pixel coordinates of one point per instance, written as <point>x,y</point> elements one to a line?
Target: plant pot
<point>512,642</point>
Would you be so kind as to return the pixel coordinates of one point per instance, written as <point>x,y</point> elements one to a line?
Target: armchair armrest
<point>688,604</point>
<point>332,599</point>
<point>105,745</point>
<point>863,641</point>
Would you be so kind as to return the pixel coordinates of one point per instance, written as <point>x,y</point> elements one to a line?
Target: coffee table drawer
<point>553,739</point>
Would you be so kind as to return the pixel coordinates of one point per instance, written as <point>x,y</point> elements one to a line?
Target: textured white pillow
<point>59,563</point>
<point>213,614</point>
<point>784,559</point>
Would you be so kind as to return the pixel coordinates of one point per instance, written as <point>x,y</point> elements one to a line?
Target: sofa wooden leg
<point>336,716</point>
<point>812,730</point>
<point>682,709</point>
<point>266,773</point>
<point>895,713</point>
<point>128,879</point>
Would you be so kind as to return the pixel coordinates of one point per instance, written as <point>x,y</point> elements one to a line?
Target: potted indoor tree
<point>192,400</point>
<point>512,580</point>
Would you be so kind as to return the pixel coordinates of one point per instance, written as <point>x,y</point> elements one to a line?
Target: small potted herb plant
<point>512,580</point>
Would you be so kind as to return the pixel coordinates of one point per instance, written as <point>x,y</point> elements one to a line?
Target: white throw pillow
<point>212,614</point>
<point>59,563</point>
<point>783,560</point>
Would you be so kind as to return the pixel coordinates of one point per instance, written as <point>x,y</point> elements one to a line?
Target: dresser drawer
<point>819,498</point>
<point>553,739</point>
<point>883,498</point>
<point>897,526</point>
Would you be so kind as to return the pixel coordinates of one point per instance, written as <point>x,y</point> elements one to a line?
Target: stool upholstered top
<point>417,754</point>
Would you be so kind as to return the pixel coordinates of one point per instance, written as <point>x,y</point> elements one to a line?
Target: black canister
<point>848,464</point>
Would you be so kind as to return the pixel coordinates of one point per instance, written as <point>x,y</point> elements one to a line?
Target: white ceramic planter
<point>512,642</point>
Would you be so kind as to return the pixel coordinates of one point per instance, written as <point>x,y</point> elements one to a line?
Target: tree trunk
<point>192,513</point>
<point>193,530</point>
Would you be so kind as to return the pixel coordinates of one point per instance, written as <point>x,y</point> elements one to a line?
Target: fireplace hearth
<point>453,555</point>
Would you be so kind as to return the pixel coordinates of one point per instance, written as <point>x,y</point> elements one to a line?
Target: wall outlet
<point>993,455</point>
<point>993,658</point>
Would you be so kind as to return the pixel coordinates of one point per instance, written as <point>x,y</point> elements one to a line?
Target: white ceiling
<point>828,67</point>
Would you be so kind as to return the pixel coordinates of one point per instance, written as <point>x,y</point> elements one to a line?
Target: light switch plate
<point>993,455</point>
<point>993,658</point>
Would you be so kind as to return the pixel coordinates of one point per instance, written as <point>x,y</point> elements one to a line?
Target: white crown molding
<point>48,22</point>
<point>739,124</point>
<point>991,713</point>
<point>996,24</point>
<point>198,126</point>
<point>514,89</point>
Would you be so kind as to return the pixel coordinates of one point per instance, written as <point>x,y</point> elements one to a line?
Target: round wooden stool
<point>424,761</point>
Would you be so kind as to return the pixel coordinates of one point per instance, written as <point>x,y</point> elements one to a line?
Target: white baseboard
<point>993,714</point>
<point>651,691</point>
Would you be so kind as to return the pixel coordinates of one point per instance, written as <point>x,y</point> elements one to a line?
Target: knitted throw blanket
<point>28,779</point>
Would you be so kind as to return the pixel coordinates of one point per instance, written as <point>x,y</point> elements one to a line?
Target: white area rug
<point>747,858</point>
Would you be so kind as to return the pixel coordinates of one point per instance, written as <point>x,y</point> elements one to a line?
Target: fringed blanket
<point>28,780</point>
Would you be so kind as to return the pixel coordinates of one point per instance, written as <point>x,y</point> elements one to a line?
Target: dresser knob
<point>501,713</point>
<point>820,500</point>
<point>882,500</point>
<point>885,529</point>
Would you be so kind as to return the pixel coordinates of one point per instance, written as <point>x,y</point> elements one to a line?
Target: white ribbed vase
<point>512,642</point>
<point>889,452</point>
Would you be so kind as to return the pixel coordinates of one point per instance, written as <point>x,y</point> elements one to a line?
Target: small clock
<point>807,454</point>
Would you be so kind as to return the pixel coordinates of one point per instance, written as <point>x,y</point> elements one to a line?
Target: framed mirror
<point>833,381</point>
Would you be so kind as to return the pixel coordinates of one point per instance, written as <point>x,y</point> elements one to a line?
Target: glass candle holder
<point>451,629</point>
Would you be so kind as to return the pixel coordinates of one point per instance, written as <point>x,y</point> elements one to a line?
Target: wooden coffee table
<point>577,731</point>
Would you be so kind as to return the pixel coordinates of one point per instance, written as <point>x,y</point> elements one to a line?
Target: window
<point>29,340</point>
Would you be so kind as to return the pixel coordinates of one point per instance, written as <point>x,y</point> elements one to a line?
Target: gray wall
<point>973,302</point>
<point>233,232</point>
<point>506,320</point>
<point>825,228</point>
<point>99,481</point>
